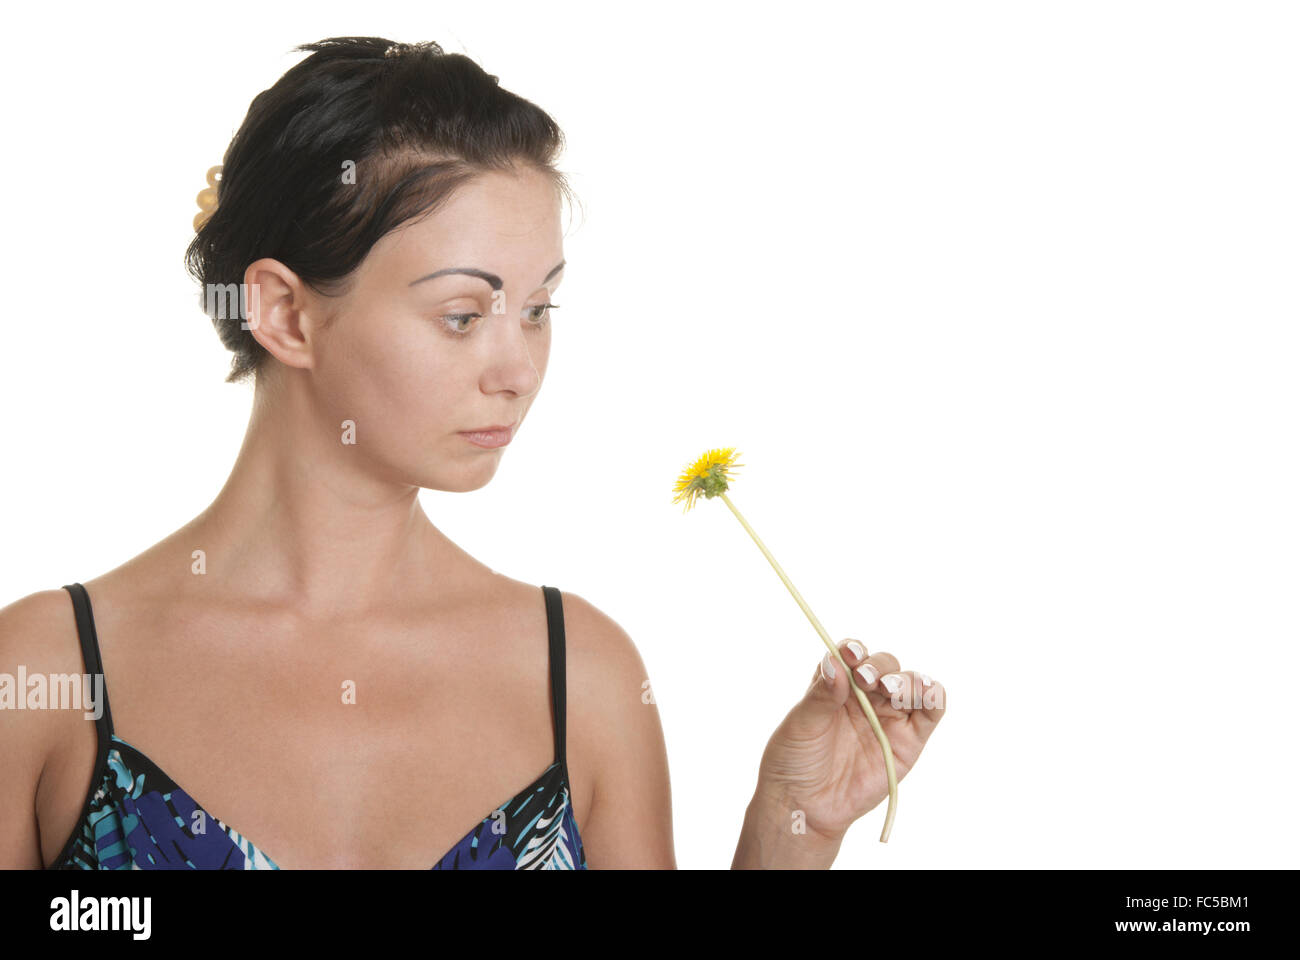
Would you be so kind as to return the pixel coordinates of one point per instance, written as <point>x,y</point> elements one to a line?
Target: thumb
<point>830,687</point>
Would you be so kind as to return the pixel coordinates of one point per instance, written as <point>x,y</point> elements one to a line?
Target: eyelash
<point>538,324</point>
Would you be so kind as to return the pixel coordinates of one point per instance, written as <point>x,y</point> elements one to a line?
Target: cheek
<point>541,353</point>
<point>399,380</point>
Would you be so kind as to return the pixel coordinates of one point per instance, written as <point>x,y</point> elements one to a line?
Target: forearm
<point>772,839</point>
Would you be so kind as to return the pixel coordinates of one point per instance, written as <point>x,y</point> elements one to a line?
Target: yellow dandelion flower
<point>708,476</point>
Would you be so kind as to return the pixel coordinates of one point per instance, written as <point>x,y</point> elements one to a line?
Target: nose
<point>513,365</point>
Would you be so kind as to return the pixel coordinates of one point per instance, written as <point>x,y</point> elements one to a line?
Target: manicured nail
<point>868,674</point>
<point>858,650</point>
<point>892,682</point>
<point>828,667</point>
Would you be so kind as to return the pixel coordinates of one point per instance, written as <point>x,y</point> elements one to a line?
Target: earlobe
<point>275,314</point>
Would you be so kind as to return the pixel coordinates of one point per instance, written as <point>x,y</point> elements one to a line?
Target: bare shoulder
<point>601,660</point>
<point>619,736</point>
<point>45,608</point>
<point>38,633</point>
<point>607,677</point>
<point>38,637</point>
<point>599,638</point>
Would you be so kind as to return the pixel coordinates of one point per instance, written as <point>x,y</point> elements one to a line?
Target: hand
<point>824,758</point>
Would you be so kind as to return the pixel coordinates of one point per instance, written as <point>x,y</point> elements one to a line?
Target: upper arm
<point>630,823</point>
<point>26,735</point>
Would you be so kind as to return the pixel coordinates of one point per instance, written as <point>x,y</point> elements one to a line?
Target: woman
<point>309,673</point>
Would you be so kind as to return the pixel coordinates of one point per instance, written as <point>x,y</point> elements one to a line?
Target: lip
<point>494,436</point>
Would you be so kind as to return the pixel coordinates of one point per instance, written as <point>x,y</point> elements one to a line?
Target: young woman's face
<point>414,359</point>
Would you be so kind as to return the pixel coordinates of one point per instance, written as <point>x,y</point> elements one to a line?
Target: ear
<point>281,312</point>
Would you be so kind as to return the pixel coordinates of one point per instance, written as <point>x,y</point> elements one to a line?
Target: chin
<point>463,482</point>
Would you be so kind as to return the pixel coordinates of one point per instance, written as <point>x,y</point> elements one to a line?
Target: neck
<point>304,520</point>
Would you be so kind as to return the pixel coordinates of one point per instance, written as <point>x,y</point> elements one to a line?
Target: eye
<point>453,321</point>
<point>540,315</point>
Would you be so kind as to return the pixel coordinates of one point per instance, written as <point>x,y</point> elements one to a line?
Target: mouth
<point>495,436</point>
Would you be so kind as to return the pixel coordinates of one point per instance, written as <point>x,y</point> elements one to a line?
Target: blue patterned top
<point>137,818</point>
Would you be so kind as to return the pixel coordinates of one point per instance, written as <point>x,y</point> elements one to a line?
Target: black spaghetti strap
<point>67,858</point>
<point>90,653</point>
<point>555,627</point>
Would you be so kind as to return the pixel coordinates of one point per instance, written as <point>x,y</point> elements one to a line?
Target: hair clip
<point>402,49</point>
<point>207,198</point>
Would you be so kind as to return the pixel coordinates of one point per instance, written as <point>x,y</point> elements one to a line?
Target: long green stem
<point>830,645</point>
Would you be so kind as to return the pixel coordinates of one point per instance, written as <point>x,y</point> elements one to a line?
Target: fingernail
<point>925,681</point>
<point>892,682</point>
<point>868,674</point>
<point>857,648</point>
<point>828,667</point>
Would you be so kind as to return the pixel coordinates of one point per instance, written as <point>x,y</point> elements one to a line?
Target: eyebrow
<point>491,278</point>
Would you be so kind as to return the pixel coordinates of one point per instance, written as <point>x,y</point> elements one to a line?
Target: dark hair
<point>416,122</point>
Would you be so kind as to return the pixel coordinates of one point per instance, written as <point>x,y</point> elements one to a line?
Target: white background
<point>997,300</point>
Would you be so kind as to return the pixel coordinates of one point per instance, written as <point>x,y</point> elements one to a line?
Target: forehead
<point>526,199</point>
<point>502,218</point>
